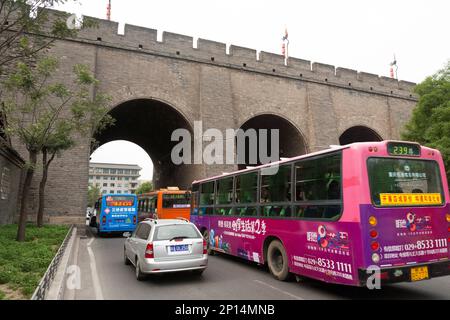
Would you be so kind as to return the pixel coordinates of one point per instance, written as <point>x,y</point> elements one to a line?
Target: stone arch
<point>359,133</point>
<point>292,142</point>
<point>149,123</point>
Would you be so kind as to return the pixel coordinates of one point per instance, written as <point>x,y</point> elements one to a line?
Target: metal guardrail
<point>46,281</point>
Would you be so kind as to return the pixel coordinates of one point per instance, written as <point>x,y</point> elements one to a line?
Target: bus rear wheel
<point>278,261</point>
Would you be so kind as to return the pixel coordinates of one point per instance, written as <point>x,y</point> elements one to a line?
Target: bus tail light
<point>375,257</point>
<point>205,247</point>
<point>104,220</point>
<point>375,245</point>
<point>149,254</point>
<point>373,221</point>
<point>447,216</point>
<point>134,219</point>
<point>373,233</point>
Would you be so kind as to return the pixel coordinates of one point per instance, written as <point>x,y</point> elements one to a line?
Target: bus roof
<point>332,148</point>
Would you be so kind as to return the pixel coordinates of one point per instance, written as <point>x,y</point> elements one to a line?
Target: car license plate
<point>419,273</point>
<point>179,248</point>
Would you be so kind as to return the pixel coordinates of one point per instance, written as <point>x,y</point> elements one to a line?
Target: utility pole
<point>108,11</point>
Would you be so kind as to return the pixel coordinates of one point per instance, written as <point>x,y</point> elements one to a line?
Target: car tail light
<point>448,229</point>
<point>383,275</point>
<point>149,254</point>
<point>375,245</point>
<point>373,233</point>
<point>104,220</point>
<point>134,219</point>
<point>373,221</point>
<point>205,247</point>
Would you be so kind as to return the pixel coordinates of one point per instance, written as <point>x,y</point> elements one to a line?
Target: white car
<point>165,245</point>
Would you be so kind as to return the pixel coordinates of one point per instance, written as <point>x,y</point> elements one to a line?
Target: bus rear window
<point>180,200</point>
<point>119,201</point>
<point>404,182</point>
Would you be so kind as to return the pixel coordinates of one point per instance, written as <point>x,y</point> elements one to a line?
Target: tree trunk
<point>24,199</point>
<point>45,166</point>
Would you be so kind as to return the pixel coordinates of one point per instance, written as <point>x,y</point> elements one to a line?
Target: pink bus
<point>334,214</point>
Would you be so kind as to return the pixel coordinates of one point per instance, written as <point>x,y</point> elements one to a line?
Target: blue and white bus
<point>115,213</point>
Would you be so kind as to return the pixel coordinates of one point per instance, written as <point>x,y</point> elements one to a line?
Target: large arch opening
<point>359,134</point>
<point>149,124</point>
<point>291,141</point>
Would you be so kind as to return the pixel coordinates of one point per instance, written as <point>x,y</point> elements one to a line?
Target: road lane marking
<point>279,290</point>
<point>94,274</point>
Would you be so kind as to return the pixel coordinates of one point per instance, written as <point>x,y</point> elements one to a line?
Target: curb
<point>51,286</point>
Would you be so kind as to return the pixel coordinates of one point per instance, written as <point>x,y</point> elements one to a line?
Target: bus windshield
<point>176,200</point>
<point>119,201</point>
<point>404,182</point>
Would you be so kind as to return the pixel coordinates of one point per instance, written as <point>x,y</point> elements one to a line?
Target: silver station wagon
<point>165,245</point>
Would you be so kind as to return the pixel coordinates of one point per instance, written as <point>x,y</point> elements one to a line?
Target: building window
<point>118,191</point>
<point>112,185</point>
<point>105,178</point>
<point>119,178</point>
<point>106,171</point>
<point>127,178</point>
<point>126,171</point>
<point>112,171</point>
<point>113,178</point>
<point>111,191</point>
<point>119,171</point>
<point>105,184</point>
<point>104,191</point>
<point>91,177</point>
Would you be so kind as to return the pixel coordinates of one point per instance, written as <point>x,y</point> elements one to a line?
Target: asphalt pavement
<point>105,276</point>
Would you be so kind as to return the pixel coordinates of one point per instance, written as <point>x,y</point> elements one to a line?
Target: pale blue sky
<point>355,34</point>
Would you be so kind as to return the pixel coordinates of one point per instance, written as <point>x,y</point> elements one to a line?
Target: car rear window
<point>177,230</point>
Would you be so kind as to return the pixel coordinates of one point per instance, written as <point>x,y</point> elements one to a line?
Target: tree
<point>20,20</point>
<point>430,122</point>
<point>145,187</point>
<point>94,193</point>
<point>45,115</point>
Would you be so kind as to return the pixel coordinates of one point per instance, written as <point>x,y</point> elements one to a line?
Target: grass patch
<point>22,264</point>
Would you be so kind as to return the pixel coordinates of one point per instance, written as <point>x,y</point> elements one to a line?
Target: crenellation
<point>135,35</point>
<point>299,64</point>
<point>406,85</point>
<point>241,52</point>
<point>324,69</point>
<point>103,30</point>
<point>369,78</point>
<point>212,47</point>
<point>346,74</point>
<point>177,41</point>
<point>271,58</point>
<point>389,82</point>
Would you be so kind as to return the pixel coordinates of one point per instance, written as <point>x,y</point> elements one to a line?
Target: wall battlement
<point>174,45</point>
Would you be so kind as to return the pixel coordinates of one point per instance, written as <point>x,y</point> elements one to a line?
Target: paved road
<point>104,276</point>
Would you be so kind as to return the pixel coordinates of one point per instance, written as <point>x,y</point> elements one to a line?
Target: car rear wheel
<point>139,275</point>
<point>208,245</point>
<point>278,261</point>
<point>125,258</point>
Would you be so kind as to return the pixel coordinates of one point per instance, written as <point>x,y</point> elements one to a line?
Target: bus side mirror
<point>126,234</point>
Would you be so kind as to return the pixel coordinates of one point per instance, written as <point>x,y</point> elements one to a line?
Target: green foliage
<point>145,187</point>
<point>430,122</point>
<point>21,18</point>
<point>22,264</point>
<point>36,107</point>
<point>94,193</point>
